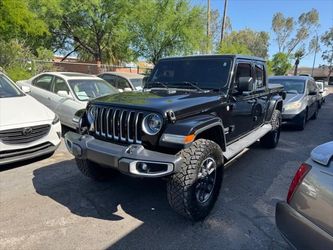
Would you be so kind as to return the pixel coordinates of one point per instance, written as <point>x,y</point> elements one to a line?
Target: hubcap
<point>206,180</point>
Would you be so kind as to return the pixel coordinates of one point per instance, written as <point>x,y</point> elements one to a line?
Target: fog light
<point>142,167</point>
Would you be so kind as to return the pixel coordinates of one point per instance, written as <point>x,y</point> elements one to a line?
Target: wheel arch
<point>275,103</point>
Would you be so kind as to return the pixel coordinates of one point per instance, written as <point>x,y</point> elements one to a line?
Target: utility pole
<point>208,26</point>
<point>224,19</point>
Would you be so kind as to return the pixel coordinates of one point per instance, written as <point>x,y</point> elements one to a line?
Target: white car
<point>27,128</point>
<point>65,93</point>
<point>123,81</point>
<point>322,90</point>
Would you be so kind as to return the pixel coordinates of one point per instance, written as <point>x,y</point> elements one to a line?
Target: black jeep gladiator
<point>194,114</point>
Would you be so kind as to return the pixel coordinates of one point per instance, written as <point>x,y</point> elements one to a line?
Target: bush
<point>17,73</point>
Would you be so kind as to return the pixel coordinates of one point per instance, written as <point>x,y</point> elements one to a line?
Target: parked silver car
<point>65,93</point>
<point>123,81</point>
<point>302,100</point>
<point>322,90</point>
<point>306,219</point>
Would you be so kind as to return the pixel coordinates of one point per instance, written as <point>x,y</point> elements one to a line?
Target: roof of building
<point>317,72</point>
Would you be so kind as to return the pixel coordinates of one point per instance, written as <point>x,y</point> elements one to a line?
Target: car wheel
<point>271,139</point>
<point>315,114</point>
<point>94,171</point>
<point>193,190</point>
<point>300,125</point>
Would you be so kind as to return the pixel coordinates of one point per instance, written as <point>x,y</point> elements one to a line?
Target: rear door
<point>41,89</point>
<point>260,91</point>
<point>241,104</point>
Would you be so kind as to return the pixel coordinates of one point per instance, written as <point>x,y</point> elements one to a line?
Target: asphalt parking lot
<point>49,204</point>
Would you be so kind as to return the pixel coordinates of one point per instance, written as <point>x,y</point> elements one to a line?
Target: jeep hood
<point>181,103</point>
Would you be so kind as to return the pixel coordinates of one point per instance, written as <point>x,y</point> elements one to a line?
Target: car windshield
<point>137,82</point>
<point>8,88</point>
<point>197,73</point>
<point>295,86</point>
<point>90,88</point>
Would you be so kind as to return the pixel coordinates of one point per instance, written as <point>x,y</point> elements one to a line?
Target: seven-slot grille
<point>24,135</point>
<point>116,124</point>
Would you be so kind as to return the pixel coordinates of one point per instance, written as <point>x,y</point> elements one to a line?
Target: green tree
<point>291,34</point>
<point>280,63</point>
<point>327,56</point>
<point>228,47</point>
<point>167,27</point>
<point>18,21</point>
<point>246,41</point>
<point>15,59</point>
<point>95,30</point>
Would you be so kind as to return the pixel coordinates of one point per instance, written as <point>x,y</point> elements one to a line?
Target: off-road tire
<point>94,171</point>
<point>315,114</point>
<point>300,125</point>
<point>271,139</point>
<point>181,187</point>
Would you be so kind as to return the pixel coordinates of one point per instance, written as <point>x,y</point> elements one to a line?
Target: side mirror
<point>245,84</point>
<point>313,92</point>
<point>64,93</point>
<point>127,89</point>
<point>26,89</point>
<point>283,95</point>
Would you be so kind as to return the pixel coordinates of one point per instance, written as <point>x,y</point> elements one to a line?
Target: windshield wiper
<point>192,84</point>
<point>158,83</point>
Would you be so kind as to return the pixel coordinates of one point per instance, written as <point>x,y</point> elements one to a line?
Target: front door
<point>241,103</point>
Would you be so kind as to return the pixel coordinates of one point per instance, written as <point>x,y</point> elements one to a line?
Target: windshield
<point>8,88</point>
<point>137,82</point>
<point>295,86</point>
<point>203,73</point>
<point>90,88</point>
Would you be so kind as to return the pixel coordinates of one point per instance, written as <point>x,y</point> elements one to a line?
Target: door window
<point>43,82</point>
<point>259,76</point>
<point>60,85</point>
<point>243,70</point>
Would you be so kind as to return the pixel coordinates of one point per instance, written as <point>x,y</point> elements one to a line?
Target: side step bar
<point>238,146</point>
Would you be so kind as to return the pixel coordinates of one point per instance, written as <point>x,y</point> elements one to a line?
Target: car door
<point>260,91</point>
<point>241,103</point>
<point>41,89</point>
<point>65,105</point>
<point>312,98</point>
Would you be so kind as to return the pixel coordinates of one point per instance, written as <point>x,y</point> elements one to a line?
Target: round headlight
<point>152,124</point>
<point>91,115</point>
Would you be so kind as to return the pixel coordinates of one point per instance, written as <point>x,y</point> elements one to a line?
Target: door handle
<point>49,98</point>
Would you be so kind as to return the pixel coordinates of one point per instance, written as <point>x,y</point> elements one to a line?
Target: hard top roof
<point>236,56</point>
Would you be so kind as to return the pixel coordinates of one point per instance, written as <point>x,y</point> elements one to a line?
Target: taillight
<point>299,176</point>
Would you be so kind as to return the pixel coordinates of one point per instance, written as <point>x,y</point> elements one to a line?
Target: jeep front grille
<point>119,125</point>
<point>24,135</point>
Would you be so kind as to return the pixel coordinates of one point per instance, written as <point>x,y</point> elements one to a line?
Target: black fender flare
<point>196,125</point>
<point>276,102</point>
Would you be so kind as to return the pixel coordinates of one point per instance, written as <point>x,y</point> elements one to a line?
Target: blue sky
<point>257,15</point>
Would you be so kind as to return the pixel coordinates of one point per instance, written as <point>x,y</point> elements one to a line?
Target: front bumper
<point>300,232</point>
<point>133,159</point>
<point>10,153</point>
<point>292,117</point>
